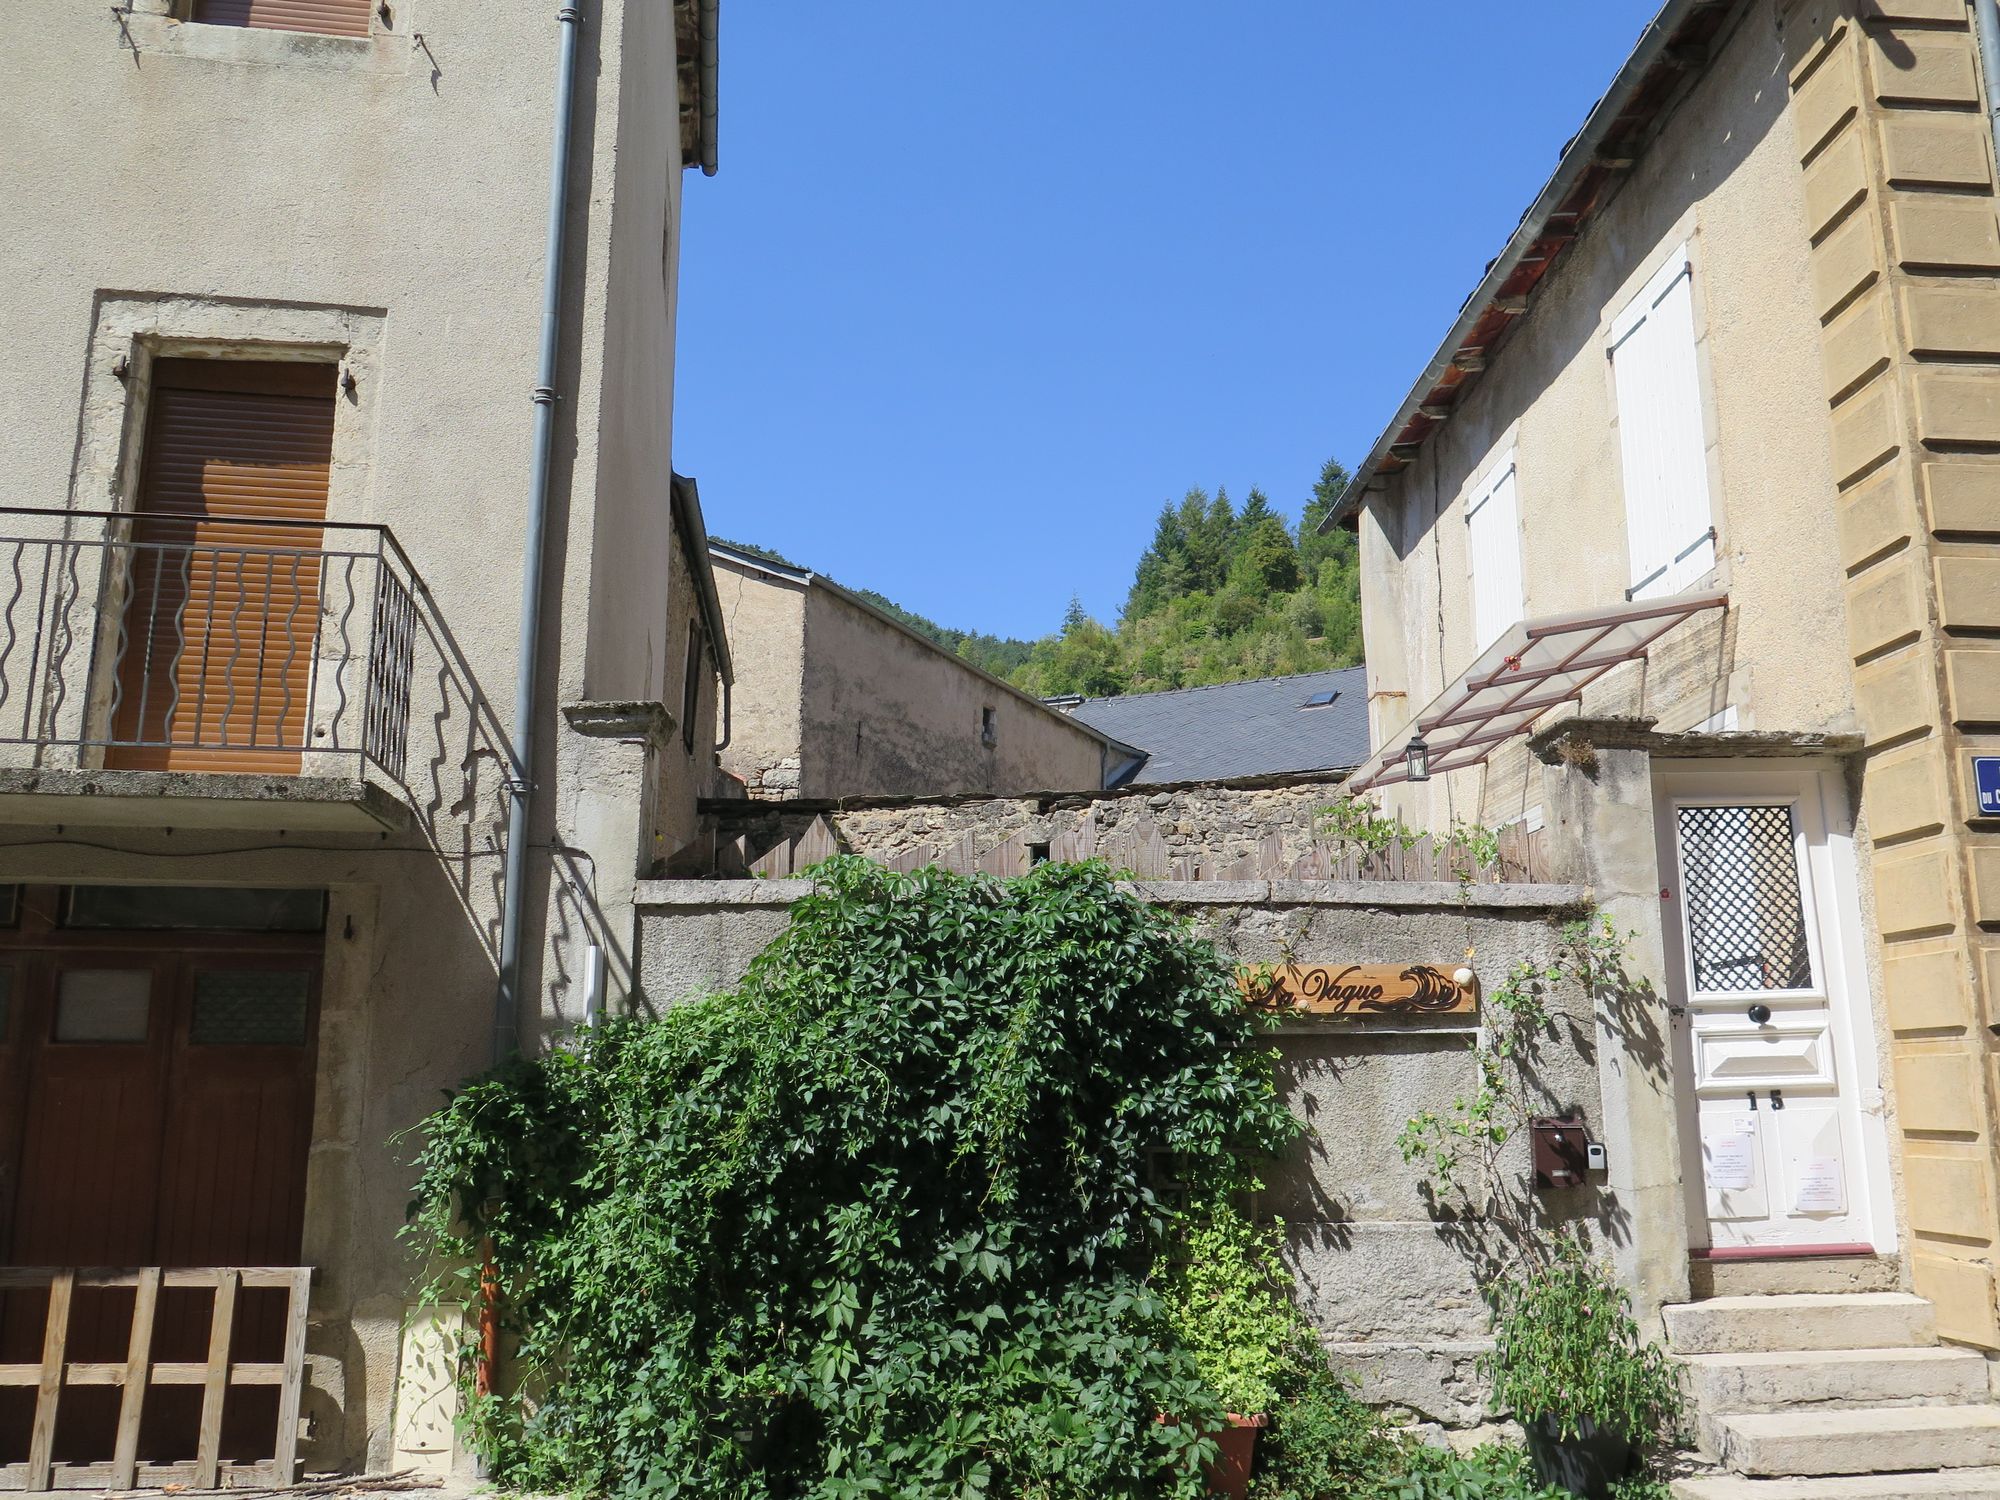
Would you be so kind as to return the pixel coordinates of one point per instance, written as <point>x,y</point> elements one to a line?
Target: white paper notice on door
<point>1730,1158</point>
<point>1822,1186</point>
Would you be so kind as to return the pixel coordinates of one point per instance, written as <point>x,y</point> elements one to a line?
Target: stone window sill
<point>161,35</point>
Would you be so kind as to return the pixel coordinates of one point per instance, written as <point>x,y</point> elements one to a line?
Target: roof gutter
<point>705,60</point>
<point>1488,300</point>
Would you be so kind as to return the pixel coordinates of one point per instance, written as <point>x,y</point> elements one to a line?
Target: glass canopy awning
<point>1535,666</point>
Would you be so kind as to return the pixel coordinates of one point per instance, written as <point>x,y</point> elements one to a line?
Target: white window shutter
<point>1493,541</point>
<point>1668,520</point>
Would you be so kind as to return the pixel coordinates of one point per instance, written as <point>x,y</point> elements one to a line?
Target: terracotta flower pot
<point>1230,1473</point>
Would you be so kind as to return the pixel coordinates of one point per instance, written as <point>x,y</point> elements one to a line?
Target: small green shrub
<point>1323,1441</point>
<point>1492,1471</point>
<point>1565,1347</point>
<point>1228,1301</point>
<point>878,1223</point>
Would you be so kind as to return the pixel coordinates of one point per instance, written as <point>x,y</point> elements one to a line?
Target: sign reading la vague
<point>1352,990</point>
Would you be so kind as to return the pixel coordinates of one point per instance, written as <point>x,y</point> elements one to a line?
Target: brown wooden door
<point>222,615</point>
<point>166,1120</point>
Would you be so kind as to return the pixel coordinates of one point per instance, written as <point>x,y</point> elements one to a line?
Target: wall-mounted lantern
<point>1417,758</point>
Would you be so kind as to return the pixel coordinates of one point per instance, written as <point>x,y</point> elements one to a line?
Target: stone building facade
<point>272,347</point>
<point>840,700</point>
<point>1738,362</point>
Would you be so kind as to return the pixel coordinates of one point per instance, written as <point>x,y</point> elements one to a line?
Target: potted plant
<point>1228,1301</point>
<point>1592,1395</point>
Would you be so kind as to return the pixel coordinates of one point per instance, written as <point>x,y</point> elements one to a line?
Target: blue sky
<point>979,286</point>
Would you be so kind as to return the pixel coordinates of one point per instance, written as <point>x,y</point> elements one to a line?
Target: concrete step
<point>1946,1484</point>
<point>1789,1379</point>
<point>1800,1320</point>
<point>1868,1440</point>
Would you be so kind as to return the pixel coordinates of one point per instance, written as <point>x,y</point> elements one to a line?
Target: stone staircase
<point>1834,1396</point>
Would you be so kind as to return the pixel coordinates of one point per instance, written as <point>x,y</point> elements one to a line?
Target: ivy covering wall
<point>882,1221</point>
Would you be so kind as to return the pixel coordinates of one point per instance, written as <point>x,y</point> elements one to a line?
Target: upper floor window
<point>1669,528</point>
<point>691,686</point>
<point>327,17</point>
<point>989,727</point>
<point>1493,542</point>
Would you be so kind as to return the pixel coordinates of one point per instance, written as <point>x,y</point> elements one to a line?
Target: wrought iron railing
<point>212,642</point>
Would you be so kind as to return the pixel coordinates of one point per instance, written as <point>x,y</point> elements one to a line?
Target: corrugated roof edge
<point>806,577</point>
<point>1656,50</point>
<point>1207,687</point>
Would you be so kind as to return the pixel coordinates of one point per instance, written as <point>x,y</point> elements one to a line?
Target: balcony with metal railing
<point>256,670</point>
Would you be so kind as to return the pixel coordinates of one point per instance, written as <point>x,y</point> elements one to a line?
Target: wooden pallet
<point>139,1371</point>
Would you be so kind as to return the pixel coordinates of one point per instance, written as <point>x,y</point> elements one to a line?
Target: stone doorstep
<point>1869,1440</point>
<point>1831,1378</point>
<point>1947,1484</point>
<point>1828,1380</point>
<point>1799,1321</point>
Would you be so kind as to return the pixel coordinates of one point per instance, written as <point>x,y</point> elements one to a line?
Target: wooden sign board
<point>1355,990</point>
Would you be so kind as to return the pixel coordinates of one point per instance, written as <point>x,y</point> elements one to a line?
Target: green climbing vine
<point>886,1220</point>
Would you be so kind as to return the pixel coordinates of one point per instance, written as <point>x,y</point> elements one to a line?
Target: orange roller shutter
<point>220,630</point>
<point>327,17</point>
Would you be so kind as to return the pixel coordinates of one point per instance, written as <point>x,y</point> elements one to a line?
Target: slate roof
<point>1255,728</point>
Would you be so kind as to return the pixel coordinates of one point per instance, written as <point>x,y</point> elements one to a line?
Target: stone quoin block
<point>1972,684</point>
<point>1811,36</point>
<point>1937,1088</point>
<point>1913,892</point>
<point>1962,493</point>
<point>1848,261</point>
<point>1985,863</point>
<point>1856,345</point>
<point>1924,987</point>
<point>1958,406</point>
<point>1877,514</point>
<point>1826,101</point>
<point>1931,230</point>
<point>1935,150</point>
<point>1904,792</point>
<point>1953,319</point>
<point>1968,592</point>
<point>1896,696</point>
<point>1923,67</point>
<point>1885,606</point>
<point>1835,182</point>
<point>1866,430</point>
<point>1961,1289</point>
<point>1949,1194</point>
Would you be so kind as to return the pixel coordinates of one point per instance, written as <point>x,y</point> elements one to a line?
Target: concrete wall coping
<point>723,893</point>
<point>1399,893</point>
<point>1426,894</point>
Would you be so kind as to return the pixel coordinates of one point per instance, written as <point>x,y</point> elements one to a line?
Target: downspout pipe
<point>521,769</point>
<point>1986,26</point>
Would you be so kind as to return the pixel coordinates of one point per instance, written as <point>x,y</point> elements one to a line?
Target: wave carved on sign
<point>1358,989</point>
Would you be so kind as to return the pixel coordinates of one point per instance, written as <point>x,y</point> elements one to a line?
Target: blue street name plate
<point>1986,780</point>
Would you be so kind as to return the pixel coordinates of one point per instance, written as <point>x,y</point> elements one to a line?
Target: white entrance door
<point>1780,1103</point>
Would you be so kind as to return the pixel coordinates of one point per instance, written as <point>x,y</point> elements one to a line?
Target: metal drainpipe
<point>521,780</point>
<point>1986,26</point>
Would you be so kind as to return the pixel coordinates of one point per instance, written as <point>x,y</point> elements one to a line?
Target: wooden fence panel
<point>138,1372</point>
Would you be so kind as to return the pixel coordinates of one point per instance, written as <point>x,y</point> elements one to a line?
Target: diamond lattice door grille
<point>1740,880</point>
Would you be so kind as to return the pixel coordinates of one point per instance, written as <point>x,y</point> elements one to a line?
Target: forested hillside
<point>1220,594</point>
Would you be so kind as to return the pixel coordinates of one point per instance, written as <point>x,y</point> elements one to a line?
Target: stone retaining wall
<point>1206,822</point>
<point>1386,1272</point>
